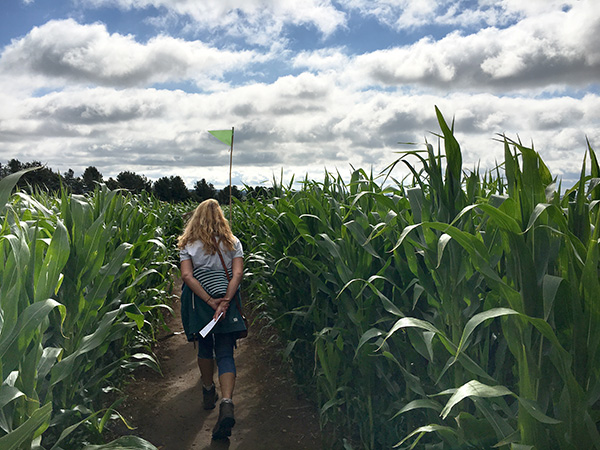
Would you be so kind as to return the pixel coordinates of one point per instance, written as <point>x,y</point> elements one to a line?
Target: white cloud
<point>321,60</point>
<point>63,52</point>
<point>551,50</point>
<point>259,21</point>
<point>554,50</point>
<point>412,14</point>
<point>94,103</point>
<point>300,123</point>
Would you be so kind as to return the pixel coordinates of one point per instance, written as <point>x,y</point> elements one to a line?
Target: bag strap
<point>237,298</point>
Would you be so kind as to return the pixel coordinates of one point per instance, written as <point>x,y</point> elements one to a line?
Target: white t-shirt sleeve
<point>238,251</point>
<point>184,254</point>
<point>195,252</point>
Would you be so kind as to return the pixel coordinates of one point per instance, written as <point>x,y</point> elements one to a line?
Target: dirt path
<point>270,413</point>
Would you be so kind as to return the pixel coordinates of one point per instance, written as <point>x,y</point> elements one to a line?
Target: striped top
<point>214,282</point>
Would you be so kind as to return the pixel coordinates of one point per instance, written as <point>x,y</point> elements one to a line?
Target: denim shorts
<point>220,347</point>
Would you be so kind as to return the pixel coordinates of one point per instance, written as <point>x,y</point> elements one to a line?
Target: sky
<point>309,85</point>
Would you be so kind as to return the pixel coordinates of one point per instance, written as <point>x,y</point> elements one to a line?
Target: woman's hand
<point>212,303</point>
<point>220,305</point>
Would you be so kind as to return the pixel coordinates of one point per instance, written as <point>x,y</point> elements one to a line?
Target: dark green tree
<point>162,189</point>
<point>223,194</point>
<point>112,184</point>
<point>15,165</point>
<point>236,193</point>
<point>4,170</point>
<point>133,182</point>
<point>74,185</point>
<point>179,191</point>
<point>171,189</point>
<point>91,176</point>
<point>204,190</point>
<point>43,178</point>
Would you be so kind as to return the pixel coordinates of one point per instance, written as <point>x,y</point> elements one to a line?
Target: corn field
<point>447,310</point>
<point>83,283</point>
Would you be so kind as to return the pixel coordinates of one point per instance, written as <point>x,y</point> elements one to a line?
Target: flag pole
<point>230,166</point>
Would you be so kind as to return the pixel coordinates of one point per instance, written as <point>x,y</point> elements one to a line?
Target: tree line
<point>170,189</point>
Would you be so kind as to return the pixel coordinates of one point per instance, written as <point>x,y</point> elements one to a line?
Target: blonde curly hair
<point>207,225</point>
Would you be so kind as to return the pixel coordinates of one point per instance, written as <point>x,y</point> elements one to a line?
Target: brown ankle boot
<point>222,429</point>
<point>210,397</point>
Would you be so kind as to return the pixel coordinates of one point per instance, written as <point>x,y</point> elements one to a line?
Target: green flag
<point>224,136</point>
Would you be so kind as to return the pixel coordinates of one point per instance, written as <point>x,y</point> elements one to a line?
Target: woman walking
<point>212,268</point>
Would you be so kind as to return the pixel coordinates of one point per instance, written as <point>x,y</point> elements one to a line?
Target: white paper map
<point>209,326</point>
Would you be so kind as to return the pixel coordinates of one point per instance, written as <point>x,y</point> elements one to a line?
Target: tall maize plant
<point>452,310</point>
<point>82,281</point>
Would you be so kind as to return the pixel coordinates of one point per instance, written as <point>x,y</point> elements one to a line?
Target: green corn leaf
<point>501,425</point>
<point>537,212</point>
<point>415,196</point>
<point>32,203</point>
<point>160,244</point>
<point>386,302</point>
<point>472,244</point>
<point>503,220</point>
<point>366,337</point>
<point>7,184</point>
<point>331,246</point>
<point>592,429</point>
<point>140,277</point>
<point>29,321</point>
<point>473,389</point>
<point>8,394</point>
<point>442,243</point>
<point>70,429</point>
<point>137,318</point>
<point>422,342</point>
<point>473,429</point>
<point>54,262</point>
<point>108,413</point>
<point>289,348</point>
<point>143,359</point>
<point>29,430</point>
<point>535,411</point>
<point>103,282</point>
<point>360,237</point>
<point>412,382</point>
<point>419,404</point>
<point>546,330</point>
<point>414,323</point>
<point>453,153</point>
<point>105,332</point>
<point>478,319</point>
<point>405,232</point>
<point>550,287</point>
<point>476,389</point>
<point>50,356</point>
<point>330,404</point>
<point>469,364</point>
<point>425,429</point>
<point>590,281</point>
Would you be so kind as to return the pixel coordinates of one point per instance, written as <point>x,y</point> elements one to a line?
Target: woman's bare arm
<point>237,267</point>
